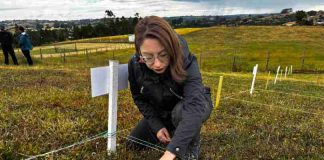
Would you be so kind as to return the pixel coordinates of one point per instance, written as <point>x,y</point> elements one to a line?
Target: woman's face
<point>154,55</point>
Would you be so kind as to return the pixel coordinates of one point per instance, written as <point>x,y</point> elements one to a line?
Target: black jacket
<point>152,93</point>
<point>6,39</point>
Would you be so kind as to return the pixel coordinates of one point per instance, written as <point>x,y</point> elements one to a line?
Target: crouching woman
<point>167,88</point>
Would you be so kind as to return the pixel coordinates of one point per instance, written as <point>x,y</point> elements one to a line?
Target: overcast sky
<point>81,9</point>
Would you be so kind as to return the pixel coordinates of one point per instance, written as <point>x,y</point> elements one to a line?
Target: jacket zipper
<point>178,96</point>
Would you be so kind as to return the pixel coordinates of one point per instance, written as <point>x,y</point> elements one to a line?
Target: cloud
<point>8,9</point>
<point>81,9</point>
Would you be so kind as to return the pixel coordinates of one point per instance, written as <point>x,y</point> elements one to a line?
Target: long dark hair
<point>158,28</point>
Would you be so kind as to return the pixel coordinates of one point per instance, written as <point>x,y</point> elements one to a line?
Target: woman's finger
<point>167,135</point>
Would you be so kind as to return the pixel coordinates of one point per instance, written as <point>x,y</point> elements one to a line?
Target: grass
<point>250,45</point>
<point>49,106</point>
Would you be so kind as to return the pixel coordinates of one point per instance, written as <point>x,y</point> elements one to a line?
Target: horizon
<point>62,10</point>
<point>133,16</point>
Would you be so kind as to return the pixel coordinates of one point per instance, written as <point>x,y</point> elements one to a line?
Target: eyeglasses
<point>150,59</point>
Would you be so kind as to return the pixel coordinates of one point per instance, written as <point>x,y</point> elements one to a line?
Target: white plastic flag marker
<point>289,70</point>
<point>255,70</point>
<point>100,79</point>
<point>275,81</point>
<point>286,72</point>
<point>106,80</point>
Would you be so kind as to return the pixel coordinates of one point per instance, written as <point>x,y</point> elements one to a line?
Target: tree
<point>301,17</point>
<point>100,29</point>
<point>136,15</point>
<point>109,13</point>
<point>311,13</point>
<point>134,22</point>
<point>76,33</point>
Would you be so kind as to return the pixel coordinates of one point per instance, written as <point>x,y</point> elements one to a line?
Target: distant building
<point>320,23</point>
<point>131,38</point>
<point>289,24</point>
<point>287,11</point>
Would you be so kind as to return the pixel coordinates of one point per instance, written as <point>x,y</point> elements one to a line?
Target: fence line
<point>295,90</point>
<point>291,93</point>
<point>296,110</point>
<point>233,95</point>
<point>76,52</point>
<point>146,143</point>
<point>279,91</point>
<point>100,135</point>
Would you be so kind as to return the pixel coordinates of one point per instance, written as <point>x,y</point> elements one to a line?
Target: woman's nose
<point>157,63</point>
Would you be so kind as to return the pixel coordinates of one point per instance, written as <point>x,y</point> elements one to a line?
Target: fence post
<point>41,54</point>
<point>286,70</point>
<point>275,81</point>
<point>234,64</point>
<point>64,55</point>
<point>255,70</point>
<point>87,54</point>
<point>268,78</point>
<point>303,61</point>
<point>219,89</point>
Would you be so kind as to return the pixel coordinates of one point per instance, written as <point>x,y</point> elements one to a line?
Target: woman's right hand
<point>163,136</point>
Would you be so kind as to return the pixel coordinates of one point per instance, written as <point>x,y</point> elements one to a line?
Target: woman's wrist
<point>168,156</point>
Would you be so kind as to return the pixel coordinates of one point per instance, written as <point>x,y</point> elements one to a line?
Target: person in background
<point>166,86</point>
<point>6,40</point>
<point>25,44</point>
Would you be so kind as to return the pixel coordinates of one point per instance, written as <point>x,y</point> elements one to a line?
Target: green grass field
<point>49,105</point>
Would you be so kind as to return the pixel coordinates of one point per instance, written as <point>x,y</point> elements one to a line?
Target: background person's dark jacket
<point>6,39</point>
<point>151,93</point>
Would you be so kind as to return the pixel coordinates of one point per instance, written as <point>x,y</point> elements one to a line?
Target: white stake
<point>275,81</point>
<point>112,106</point>
<point>255,70</point>
<point>280,75</point>
<point>108,80</point>
<point>290,69</point>
<point>286,72</point>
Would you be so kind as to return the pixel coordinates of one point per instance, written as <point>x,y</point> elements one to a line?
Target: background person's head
<point>155,38</point>
<point>21,29</point>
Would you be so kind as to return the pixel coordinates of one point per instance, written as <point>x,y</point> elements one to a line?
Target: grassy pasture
<point>49,106</point>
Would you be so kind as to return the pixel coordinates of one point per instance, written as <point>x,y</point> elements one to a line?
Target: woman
<point>167,88</point>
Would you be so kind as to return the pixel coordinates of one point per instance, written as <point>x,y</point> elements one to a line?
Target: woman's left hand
<point>168,156</point>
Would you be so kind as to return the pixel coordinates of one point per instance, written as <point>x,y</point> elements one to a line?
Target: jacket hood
<point>187,56</point>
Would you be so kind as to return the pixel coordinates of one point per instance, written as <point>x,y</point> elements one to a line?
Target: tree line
<point>110,25</point>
